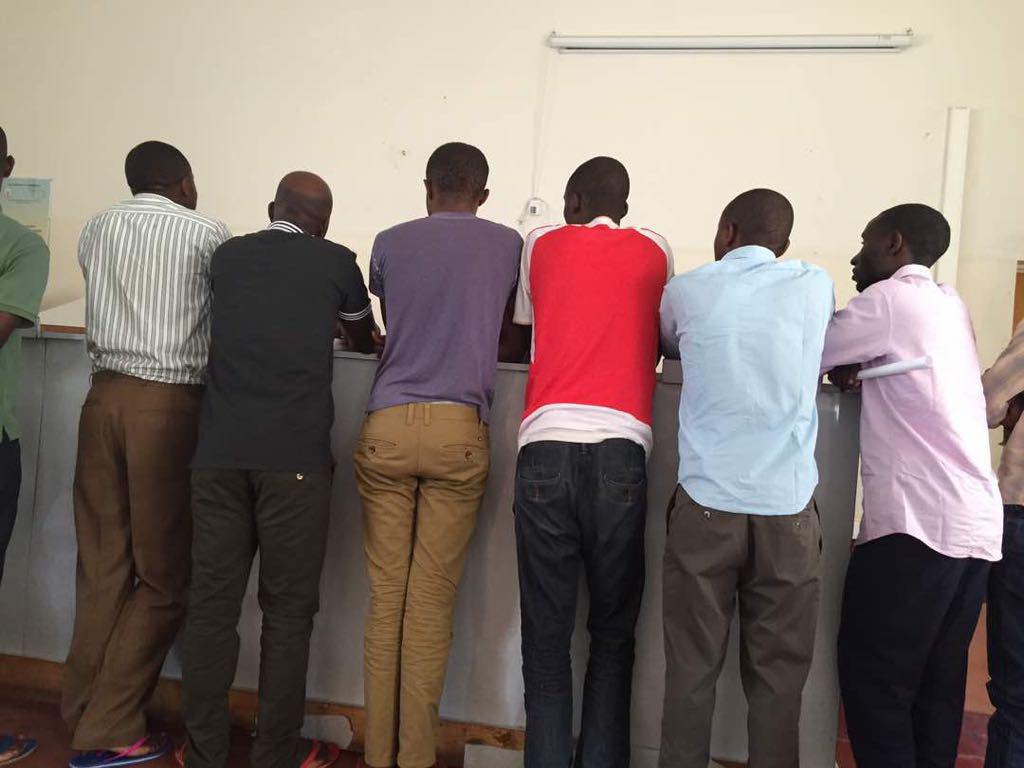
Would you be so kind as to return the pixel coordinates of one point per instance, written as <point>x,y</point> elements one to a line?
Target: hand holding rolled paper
<point>845,377</point>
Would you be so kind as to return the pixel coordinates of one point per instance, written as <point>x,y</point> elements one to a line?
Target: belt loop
<point>426,414</point>
<point>410,414</point>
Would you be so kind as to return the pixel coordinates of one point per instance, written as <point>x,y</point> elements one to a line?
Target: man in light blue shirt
<point>749,331</point>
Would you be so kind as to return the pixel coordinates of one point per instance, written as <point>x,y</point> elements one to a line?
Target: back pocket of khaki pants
<point>372,448</point>
<point>470,453</point>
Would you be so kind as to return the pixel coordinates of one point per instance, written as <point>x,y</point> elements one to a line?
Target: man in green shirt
<point>24,267</point>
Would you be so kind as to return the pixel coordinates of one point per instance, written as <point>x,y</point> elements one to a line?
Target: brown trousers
<point>421,471</point>
<point>773,565</point>
<point>134,529</point>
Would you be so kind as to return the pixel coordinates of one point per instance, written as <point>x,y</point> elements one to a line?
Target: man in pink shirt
<point>932,514</point>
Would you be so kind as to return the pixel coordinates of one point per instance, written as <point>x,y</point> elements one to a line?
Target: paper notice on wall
<point>27,201</point>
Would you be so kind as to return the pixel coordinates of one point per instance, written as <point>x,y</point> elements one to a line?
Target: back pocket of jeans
<point>538,474</point>
<point>626,485</point>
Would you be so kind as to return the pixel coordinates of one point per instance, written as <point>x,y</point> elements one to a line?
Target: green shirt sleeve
<point>24,270</point>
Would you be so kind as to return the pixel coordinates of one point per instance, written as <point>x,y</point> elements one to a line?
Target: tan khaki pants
<point>134,527</point>
<point>421,471</point>
<point>772,564</point>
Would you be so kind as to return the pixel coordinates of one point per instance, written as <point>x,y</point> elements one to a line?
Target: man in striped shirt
<point>1004,393</point>
<point>146,263</point>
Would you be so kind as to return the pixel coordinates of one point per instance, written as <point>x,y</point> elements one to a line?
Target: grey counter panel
<point>484,681</point>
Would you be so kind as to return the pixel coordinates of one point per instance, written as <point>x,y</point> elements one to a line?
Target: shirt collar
<point>452,215</point>
<point>912,270</point>
<point>286,226</point>
<point>153,197</point>
<point>603,221</point>
<point>755,253</point>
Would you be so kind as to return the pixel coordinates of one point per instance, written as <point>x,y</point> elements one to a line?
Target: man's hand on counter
<point>359,334</point>
<point>845,377</point>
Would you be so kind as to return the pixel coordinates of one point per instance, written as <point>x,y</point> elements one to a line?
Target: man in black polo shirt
<point>262,470</point>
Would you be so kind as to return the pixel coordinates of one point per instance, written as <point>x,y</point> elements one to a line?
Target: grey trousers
<point>771,565</point>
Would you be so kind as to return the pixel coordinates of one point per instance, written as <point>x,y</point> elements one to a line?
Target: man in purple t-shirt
<point>446,284</point>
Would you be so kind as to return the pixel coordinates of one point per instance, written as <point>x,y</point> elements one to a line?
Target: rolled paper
<point>892,369</point>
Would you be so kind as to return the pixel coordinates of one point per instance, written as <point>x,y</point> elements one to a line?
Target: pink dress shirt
<point>925,457</point>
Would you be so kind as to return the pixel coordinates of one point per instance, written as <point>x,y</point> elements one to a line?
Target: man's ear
<point>8,167</point>
<point>729,233</point>
<point>896,242</point>
<point>575,202</point>
<point>270,211</point>
<point>483,197</point>
<point>428,185</point>
<point>189,192</point>
<point>785,247</point>
<point>625,209</point>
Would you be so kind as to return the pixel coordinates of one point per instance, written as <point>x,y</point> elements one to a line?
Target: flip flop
<point>8,742</point>
<point>312,761</point>
<point>105,758</point>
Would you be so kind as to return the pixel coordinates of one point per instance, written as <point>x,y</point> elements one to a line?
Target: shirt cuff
<point>30,318</point>
<point>351,316</point>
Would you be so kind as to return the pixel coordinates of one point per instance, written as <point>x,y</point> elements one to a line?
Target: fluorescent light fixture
<point>711,43</point>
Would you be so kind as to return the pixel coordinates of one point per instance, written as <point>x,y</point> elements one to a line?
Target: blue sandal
<point>104,758</point>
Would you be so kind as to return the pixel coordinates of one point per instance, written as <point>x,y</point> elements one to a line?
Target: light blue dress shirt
<point>749,330</point>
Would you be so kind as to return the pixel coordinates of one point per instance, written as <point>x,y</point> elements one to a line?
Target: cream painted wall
<point>362,91</point>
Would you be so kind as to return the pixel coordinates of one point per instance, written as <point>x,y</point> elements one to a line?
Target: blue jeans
<point>1006,647</point>
<point>579,507</point>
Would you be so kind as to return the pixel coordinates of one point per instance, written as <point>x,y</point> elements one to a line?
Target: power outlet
<point>535,210</point>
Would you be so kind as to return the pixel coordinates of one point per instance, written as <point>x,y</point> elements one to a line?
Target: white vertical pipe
<point>954,175</point>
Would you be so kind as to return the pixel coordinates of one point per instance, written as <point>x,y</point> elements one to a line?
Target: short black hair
<point>153,166</point>
<point>924,230</point>
<point>602,182</point>
<point>3,144</point>
<point>457,169</point>
<point>762,217</point>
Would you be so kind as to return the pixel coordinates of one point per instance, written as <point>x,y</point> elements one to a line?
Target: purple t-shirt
<point>445,281</point>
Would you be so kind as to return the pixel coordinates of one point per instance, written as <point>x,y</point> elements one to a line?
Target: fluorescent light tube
<point>669,43</point>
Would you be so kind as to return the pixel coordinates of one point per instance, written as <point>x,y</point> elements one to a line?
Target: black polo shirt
<point>276,297</point>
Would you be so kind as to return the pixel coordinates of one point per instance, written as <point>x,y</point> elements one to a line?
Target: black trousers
<point>10,487</point>
<point>579,508</point>
<point>908,617</point>
<point>236,512</point>
<point>1006,647</point>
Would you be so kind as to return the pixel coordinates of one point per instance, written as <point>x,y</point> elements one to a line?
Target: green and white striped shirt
<point>146,263</point>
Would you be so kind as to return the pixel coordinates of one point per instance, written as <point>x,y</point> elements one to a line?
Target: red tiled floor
<point>974,736</point>
<point>844,754</point>
<point>41,721</point>
<point>977,672</point>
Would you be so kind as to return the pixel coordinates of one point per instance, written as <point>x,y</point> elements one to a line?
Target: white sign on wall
<point>27,201</point>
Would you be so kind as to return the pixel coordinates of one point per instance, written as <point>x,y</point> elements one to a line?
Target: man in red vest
<point>591,289</point>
